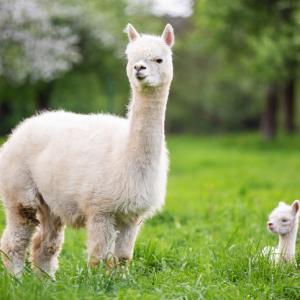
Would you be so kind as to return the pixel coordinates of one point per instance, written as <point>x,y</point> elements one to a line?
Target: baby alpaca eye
<point>284,220</point>
<point>159,60</point>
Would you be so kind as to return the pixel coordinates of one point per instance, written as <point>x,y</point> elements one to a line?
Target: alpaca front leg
<point>101,239</point>
<point>14,242</point>
<point>125,241</point>
<point>21,223</point>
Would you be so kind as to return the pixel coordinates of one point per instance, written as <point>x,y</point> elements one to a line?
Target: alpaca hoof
<point>124,261</point>
<point>41,273</point>
<point>109,263</point>
<point>93,262</point>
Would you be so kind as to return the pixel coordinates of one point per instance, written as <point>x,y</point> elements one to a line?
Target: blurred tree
<point>34,42</point>
<point>63,54</point>
<point>207,94</point>
<point>269,115</point>
<point>229,56</point>
<point>37,43</point>
<point>263,38</point>
<point>291,18</point>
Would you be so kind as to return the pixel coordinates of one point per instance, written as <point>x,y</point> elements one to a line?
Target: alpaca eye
<point>159,60</point>
<point>284,220</point>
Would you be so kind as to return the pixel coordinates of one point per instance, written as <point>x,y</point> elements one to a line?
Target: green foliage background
<point>224,57</point>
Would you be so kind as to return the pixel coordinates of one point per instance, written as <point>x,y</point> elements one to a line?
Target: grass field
<point>204,244</point>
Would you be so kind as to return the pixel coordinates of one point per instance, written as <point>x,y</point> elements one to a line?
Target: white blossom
<point>36,42</point>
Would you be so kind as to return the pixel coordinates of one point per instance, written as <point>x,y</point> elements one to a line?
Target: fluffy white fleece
<point>283,221</point>
<point>102,171</point>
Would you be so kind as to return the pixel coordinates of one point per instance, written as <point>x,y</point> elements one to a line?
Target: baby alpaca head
<point>284,218</point>
<point>149,59</point>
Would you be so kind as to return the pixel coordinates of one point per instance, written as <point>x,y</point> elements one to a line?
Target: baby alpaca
<point>283,221</point>
<point>100,171</point>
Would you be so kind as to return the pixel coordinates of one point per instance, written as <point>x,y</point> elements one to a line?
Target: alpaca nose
<point>270,224</point>
<point>138,67</point>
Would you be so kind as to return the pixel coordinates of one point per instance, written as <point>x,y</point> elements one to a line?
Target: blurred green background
<point>236,62</point>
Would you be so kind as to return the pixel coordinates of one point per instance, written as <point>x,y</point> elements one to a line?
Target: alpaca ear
<point>295,206</point>
<point>168,35</point>
<point>131,32</point>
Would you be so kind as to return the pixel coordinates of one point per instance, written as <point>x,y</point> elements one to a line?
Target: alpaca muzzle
<point>140,76</point>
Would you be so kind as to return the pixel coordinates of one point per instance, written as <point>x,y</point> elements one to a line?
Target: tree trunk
<point>289,22</point>
<point>43,96</point>
<point>5,112</point>
<point>289,105</point>
<point>269,116</point>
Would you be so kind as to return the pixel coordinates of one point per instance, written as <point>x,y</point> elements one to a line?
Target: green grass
<point>204,244</point>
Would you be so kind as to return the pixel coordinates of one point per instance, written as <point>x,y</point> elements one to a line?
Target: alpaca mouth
<point>271,229</point>
<point>140,76</point>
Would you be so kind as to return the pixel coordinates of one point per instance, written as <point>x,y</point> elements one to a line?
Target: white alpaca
<point>283,221</point>
<point>105,172</point>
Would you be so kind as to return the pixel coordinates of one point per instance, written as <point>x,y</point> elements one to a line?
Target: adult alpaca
<point>102,171</point>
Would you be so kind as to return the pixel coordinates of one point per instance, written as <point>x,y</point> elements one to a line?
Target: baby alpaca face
<point>283,218</point>
<point>149,58</point>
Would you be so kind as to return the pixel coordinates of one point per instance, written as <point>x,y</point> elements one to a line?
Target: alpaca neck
<point>287,244</point>
<point>146,119</point>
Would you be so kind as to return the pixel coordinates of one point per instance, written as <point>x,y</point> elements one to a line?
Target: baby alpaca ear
<point>168,35</point>
<point>296,206</point>
<point>131,32</point>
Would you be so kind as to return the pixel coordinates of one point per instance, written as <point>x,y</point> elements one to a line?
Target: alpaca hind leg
<point>47,242</point>
<point>21,223</point>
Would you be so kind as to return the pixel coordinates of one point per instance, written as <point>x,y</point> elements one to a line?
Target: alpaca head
<point>284,218</point>
<point>149,59</point>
